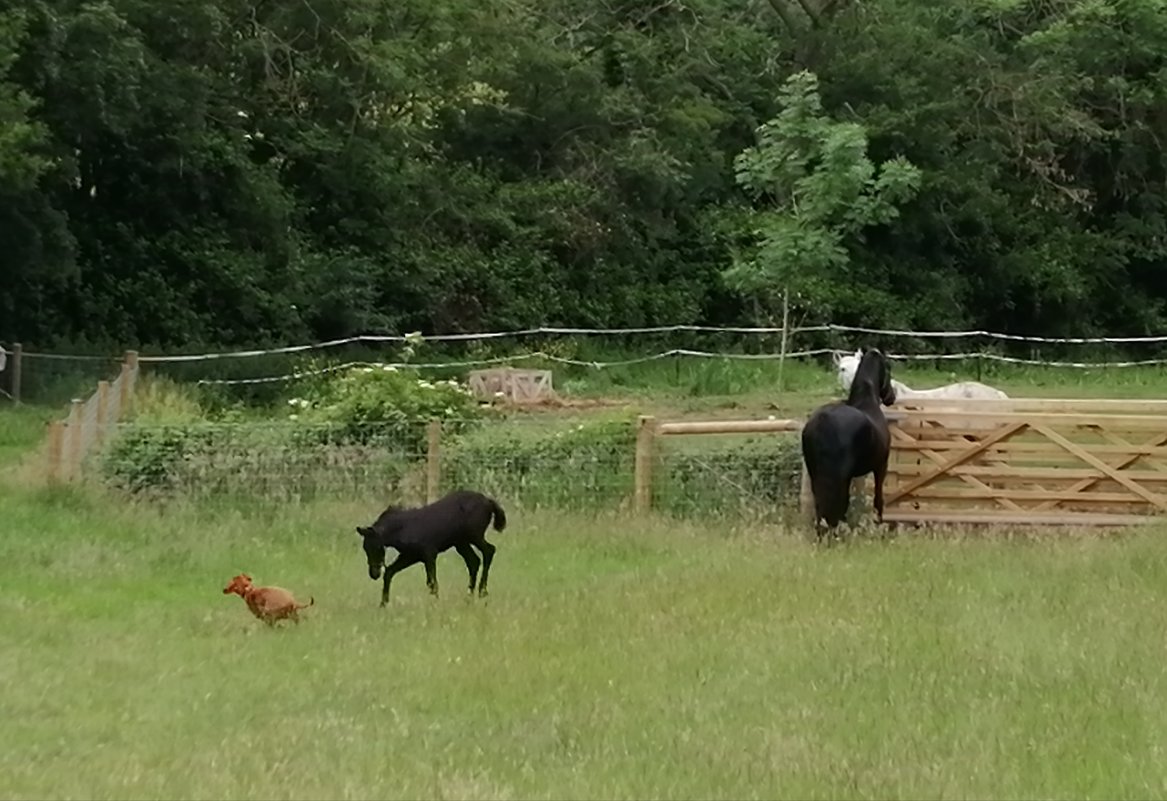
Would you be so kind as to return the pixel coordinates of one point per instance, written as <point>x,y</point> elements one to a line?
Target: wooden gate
<point>1027,461</point>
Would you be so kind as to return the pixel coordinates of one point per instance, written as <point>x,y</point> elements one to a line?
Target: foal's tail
<point>311,601</point>
<point>500,517</point>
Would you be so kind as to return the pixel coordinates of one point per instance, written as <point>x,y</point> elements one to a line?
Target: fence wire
<point>58,380</point>
<point>755,476</point>
<point>573,465</point>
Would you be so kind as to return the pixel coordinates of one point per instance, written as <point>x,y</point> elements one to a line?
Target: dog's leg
<point>431,573</point>
<point>472,561</point>
<point>399,564</point>
<point>487,557</point>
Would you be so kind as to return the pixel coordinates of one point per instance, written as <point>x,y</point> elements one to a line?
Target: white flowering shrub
<point>379,401</point>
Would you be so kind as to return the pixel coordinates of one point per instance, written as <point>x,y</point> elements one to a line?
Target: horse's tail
<point>311,601</point>
<point>500,517</point>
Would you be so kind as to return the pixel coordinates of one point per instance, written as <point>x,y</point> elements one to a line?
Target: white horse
<point>961,390</point>
<point>846,366</point>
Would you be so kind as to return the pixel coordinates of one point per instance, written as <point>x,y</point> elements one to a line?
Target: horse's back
<point>454,517</point>
<point>843,439</point>
<point>833,429</point>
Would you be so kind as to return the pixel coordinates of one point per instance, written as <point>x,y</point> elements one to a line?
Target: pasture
<point>617,656</point>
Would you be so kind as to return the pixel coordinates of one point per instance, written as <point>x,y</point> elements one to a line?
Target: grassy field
<point>617,657</point>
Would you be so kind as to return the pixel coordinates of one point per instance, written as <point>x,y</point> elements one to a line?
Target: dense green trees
<point>248,171</point>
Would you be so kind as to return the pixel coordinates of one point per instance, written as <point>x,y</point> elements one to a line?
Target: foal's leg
<point>431,572</point>
<point>400,563</point>
<point>487,557</point>
<point>472,561</point>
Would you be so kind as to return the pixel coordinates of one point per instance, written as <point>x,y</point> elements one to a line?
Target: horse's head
<point>846,367</point>
<point>374,550</point>
<point>875,368</point>
<point>887,390</point>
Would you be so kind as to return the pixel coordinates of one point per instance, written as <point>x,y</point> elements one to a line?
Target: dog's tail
<point>500,517</point>
<point>311,601</point>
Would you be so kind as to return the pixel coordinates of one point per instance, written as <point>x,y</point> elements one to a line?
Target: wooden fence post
<point>16,379</point>
<point>129,379</point>
<point>645,453</point>
<point>56,440</point>
<point>433,460</point>
<point>102,410</point>
<point>73,455</point>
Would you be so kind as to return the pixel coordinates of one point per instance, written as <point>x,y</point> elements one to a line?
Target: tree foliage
<point>824,191</point>
<point>226,172</point>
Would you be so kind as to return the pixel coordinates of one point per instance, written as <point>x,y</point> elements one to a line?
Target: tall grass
<point>615,658</point>
<point>618,656</point>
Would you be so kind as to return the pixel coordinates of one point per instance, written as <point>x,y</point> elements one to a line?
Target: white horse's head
<point>846,367</point>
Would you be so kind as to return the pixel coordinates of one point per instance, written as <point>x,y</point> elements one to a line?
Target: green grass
<point>23,428</point>
<point>617,656</point>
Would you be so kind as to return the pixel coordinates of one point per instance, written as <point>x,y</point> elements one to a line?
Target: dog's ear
<point>364,531</point>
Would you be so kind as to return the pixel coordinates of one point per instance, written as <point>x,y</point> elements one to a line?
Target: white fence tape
<point>665,329</point>
<point>671,353</point>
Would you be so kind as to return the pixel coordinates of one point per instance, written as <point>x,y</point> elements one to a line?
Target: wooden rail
<point>648,429</point>
<point>1028,461</point>
<point>1020,461</point>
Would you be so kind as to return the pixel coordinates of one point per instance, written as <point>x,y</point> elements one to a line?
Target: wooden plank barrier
<point>1028,462</point>
<point>1021,461</point>
<point>515,384</point>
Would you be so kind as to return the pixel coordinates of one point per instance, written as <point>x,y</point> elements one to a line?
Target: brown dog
<point>269,604</point>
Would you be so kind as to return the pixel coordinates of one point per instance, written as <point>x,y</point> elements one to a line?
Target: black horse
<point>847,439</point>
<point>457,521</point>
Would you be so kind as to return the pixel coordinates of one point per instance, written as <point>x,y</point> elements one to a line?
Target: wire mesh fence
<point>72,441</point>
<point>752,476</point>
<point>52,379</point>
<point>586,466</point>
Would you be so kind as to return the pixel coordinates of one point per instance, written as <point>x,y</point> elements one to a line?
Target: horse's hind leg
<point>830,504</point>
<point>879,474</point>
<point>472,561</point>
<point>487,557</point>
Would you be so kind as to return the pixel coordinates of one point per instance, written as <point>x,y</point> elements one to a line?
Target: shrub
<point>260,462</point>
<point>757,478</point>
<point>373,403</point>
<point>361,428</point>
<point>148,457</point>
<point>588,466</point>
